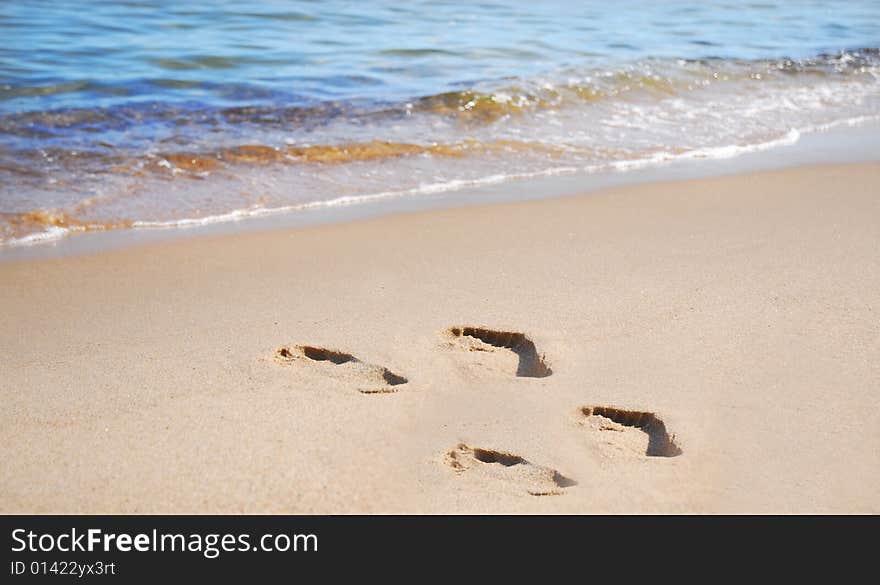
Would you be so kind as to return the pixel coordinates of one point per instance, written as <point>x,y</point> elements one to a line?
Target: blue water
<point>98,99</point>
<point>90,53</point>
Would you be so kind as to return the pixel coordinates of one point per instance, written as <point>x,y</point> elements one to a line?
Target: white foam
<point>234,215</point>
<point>848,122</point>
<point>715,153</point>
<point>50,234</point>
<point>792,136</point>
<point>251,212</point>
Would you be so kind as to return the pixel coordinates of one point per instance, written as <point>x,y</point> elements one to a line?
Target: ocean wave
<point>198,168</point>
<point>57,225</point>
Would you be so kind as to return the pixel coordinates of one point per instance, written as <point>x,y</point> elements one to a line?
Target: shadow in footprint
<point>538,480</point>
<point>531,364</point>
<point>505,459</point>
<point>379,374</point>
<point>660,443</point>
<point>319,354</point>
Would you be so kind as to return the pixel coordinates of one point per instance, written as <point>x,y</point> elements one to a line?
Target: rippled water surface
<point>156,113</point>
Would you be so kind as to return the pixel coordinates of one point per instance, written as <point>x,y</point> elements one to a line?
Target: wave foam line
<point>53,233</point>
<point>50,234</point>
<point>345,200</point>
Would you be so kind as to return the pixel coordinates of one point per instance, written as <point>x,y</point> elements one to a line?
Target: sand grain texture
<point>741,311</point>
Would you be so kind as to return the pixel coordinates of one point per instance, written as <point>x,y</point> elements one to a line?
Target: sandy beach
<point>708,346</point>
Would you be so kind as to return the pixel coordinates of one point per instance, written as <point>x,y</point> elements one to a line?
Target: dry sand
<point>739,314</point>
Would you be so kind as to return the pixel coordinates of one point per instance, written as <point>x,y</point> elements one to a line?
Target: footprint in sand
<point>505,468</point>
<point>371,379</point>
<point>530,364</point>
<point>631,430</point>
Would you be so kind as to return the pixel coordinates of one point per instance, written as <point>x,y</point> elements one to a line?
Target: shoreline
<point>837,145</point>
<point>740,310</point>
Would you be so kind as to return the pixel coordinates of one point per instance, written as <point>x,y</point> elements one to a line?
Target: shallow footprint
<point>498,466</point>
<point>373,379</point>
<point>633,429</point>
<point>530,363</point>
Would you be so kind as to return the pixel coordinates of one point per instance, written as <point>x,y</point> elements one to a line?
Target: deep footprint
<point>536,480</point>
<point>386,381</point>
<point>531,364</point>
<point>660,442</point>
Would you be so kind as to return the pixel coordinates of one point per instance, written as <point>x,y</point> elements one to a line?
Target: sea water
<point>152,113</point>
